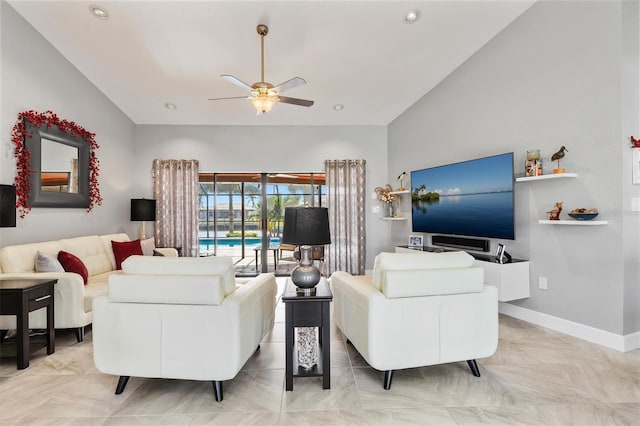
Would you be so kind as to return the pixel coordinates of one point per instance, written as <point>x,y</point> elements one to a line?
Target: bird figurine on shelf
<point>635,143</point>
<point>557,156</point>
<point>402,176</point>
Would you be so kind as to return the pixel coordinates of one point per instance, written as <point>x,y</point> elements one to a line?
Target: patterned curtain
<point>346,203</point>
<point>175,188</point>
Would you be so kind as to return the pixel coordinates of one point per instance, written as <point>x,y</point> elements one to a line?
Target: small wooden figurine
<point>554,214</point>
<point>557,156</point>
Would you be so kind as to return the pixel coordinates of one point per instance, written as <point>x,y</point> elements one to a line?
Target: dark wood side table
<point>308,311</point>
<point>19,297</point>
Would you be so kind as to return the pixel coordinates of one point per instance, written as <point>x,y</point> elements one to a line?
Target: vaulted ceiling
<point>359,54</point>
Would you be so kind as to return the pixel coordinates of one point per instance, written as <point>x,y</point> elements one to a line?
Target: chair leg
<point>217,389</point>
<point>80,334</point>
<point>122,382</point>
<point>473,365</point>
<point>388,376</point>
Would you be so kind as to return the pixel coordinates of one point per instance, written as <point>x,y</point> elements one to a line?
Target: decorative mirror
<point>59,164</point>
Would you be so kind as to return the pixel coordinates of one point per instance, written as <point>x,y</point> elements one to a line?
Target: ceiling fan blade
<point>236,81</point>
<point>295,101</point>
<point>290,84</point>
<point>232,97</point>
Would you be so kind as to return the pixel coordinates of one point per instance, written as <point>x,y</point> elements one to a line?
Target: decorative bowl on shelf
<point>583,214</point>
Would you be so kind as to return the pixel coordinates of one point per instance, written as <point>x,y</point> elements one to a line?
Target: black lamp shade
<point>143,209</point>
<point>306,226</point>
<point>7,206</point>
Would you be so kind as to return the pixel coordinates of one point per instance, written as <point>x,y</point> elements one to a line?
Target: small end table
<point>274,249</point>
<point>19,297</point>
<point>308,311</point>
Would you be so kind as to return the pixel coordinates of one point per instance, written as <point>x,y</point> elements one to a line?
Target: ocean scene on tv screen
<point>473,198</point>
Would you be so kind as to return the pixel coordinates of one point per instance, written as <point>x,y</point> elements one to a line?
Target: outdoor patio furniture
<point>274,248</point>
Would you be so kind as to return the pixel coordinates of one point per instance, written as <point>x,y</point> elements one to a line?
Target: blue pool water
<point>208,244</point>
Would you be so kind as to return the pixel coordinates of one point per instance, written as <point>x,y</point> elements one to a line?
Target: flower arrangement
<point>22,154</point>
<point>384,194</point>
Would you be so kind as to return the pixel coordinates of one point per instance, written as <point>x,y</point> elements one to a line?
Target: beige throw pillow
<point>148,246</point>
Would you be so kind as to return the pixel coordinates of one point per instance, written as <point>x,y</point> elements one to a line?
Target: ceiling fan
<point>262,94</point>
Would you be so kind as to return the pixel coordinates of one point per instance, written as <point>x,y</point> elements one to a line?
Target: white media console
<point>511,279</point>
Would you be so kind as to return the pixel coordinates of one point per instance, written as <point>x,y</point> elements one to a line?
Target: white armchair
<point>418,309</point>
<point>180,318</point>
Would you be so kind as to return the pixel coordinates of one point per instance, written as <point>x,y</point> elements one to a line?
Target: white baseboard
<point>618,342</point>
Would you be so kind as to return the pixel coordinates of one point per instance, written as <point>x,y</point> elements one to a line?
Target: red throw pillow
<point>125,249</point>
<point>72,263</point>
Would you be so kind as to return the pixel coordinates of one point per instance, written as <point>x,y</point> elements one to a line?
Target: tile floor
<point>537,377</point>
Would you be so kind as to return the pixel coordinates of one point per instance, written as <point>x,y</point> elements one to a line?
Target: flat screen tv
<point>471,198</point>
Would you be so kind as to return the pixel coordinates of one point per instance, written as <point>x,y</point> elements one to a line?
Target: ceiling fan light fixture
<point>412,16</point>
<point>263,103</point>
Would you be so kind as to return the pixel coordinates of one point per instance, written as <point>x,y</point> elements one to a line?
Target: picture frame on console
<point>415,241</point>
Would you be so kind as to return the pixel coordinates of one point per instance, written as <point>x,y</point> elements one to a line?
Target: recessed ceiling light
<point>169,105</point>
<point>99,11</point>
<point>338,107</point>
<point>412,16</point>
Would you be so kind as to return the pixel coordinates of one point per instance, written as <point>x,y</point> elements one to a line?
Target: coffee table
<point>19,297</point>
<point>308,311</point>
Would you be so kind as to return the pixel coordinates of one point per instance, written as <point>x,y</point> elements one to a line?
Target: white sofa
<point>182,318</point>
<point>72,298</point>
<point>418,309</point>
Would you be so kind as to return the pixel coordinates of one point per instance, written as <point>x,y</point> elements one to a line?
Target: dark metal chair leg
<point>217,389</point>
<point>473,365</point>
<point>122,382</point>
<point>388,376</point>
<point>80,334</point>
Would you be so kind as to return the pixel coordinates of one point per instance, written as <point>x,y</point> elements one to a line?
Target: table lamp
<point>306,227</point>
<point>7,206</point>
<point>143,210</point>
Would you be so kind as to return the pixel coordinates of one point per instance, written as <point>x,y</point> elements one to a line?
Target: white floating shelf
<point>406,191</point>
<point>573,222</point>
<point>549,176</point>
<point>394,218</point>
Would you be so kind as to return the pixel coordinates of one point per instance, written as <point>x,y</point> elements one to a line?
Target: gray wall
<point>269,149</point>
<point>34,75</point>
<point>630,126</point>
<point>553,77</point>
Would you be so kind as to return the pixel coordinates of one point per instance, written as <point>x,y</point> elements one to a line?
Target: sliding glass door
<point>242,214</point>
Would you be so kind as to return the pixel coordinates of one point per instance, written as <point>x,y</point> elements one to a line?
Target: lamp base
<point>305,276</point>
<point>142,234</point>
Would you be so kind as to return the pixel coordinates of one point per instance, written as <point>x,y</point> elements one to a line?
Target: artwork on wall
<point>56,165</point>
<point>635,168</point>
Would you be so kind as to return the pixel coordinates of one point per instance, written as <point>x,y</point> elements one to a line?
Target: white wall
<point>33,75</point>
<point>269,149</point>
<point>551,78</point>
